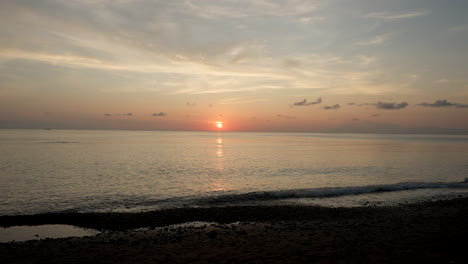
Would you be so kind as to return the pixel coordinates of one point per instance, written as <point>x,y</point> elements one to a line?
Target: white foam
<point>334,191</point>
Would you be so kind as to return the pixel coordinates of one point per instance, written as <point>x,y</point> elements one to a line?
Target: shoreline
<point>121,221</point>
<point>430,232</point>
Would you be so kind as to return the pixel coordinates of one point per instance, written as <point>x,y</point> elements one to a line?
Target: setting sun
<point>219,124</point>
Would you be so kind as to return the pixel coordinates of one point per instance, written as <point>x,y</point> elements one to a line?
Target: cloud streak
<point>332,107</point>
<point>443,103</point>
<point>384,105</point>
<point>159,114</point>
<point>398,15</point>
<point>173,39</point>
<point>246,8</point>
<point>377,40</point>
<point>391,106</point>
<point>305,103</point>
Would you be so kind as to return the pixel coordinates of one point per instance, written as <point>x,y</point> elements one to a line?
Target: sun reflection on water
<point>218,183</point>
<point>219,153</point>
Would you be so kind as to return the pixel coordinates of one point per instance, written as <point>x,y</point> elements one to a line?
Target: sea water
<point>87,171</point>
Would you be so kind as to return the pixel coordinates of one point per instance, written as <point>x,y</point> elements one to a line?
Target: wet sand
<point>432,232</point>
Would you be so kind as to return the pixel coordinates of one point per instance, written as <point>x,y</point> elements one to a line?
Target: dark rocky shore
<point>431,232</point>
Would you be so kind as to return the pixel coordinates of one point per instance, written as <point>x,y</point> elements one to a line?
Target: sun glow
<point>219,124</point>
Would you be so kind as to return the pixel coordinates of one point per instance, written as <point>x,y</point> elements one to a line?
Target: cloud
<point>438,103</point>
<point>309,19</point>
<point>444,81</point>
<point>336,106</point>
<point>305,20</point>
<point>355,119</point>
<point>177,41</point>
<point>377,40</point>
<point>398,15</point>
<point>106,114</point>
<point>191,104</point>
<point>286,117</point>
<point>391,106</point>
<point>305,103</point>
<point>442,103</point>
<point>129,114</point>
<point>227,9</point>
<point>159,114</point>
<point>375,115</point>
<point>385,105</point>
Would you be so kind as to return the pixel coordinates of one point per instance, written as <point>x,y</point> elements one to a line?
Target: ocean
<point>129,171</point>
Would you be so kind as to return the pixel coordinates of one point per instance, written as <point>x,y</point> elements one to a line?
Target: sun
<point>219,124</point>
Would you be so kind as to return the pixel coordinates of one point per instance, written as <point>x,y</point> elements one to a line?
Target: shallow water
<point>381,199</point>
<point>57,170</point>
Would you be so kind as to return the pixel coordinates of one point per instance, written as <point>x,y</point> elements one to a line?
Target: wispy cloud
<point>168,38</point>
<point>384,105</point>
<point>175,41</point>
<point>107,114</point>
<point>305,103</point>
<point>332,107</point>
<point>159,114</point>
<point>309,19</point>
<point>377,40</point>
<point>443,103</point>
<point>398,15</point>
<point>246,8</point>
<point>391,106</point>
<point>444,81</point>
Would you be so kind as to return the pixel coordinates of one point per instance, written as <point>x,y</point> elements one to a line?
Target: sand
<point>431,232</point>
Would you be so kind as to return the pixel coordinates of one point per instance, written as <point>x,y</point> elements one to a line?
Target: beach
<point>428,232</point>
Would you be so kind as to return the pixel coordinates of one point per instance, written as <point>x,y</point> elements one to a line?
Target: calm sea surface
<point>76,170</point>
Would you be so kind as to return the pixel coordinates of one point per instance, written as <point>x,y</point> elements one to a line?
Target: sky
<point>360,66</point>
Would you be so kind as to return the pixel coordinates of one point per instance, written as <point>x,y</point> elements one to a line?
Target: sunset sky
<point>379,66</point>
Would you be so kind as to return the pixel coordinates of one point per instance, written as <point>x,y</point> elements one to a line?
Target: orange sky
<point>389,66</point>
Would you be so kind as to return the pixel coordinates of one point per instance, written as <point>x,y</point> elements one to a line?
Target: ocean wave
<point>140,203</point>
<point>327,192</point>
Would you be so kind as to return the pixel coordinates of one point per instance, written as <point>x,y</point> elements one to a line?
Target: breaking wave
<point>144,203</point>
<point>327,192</point>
